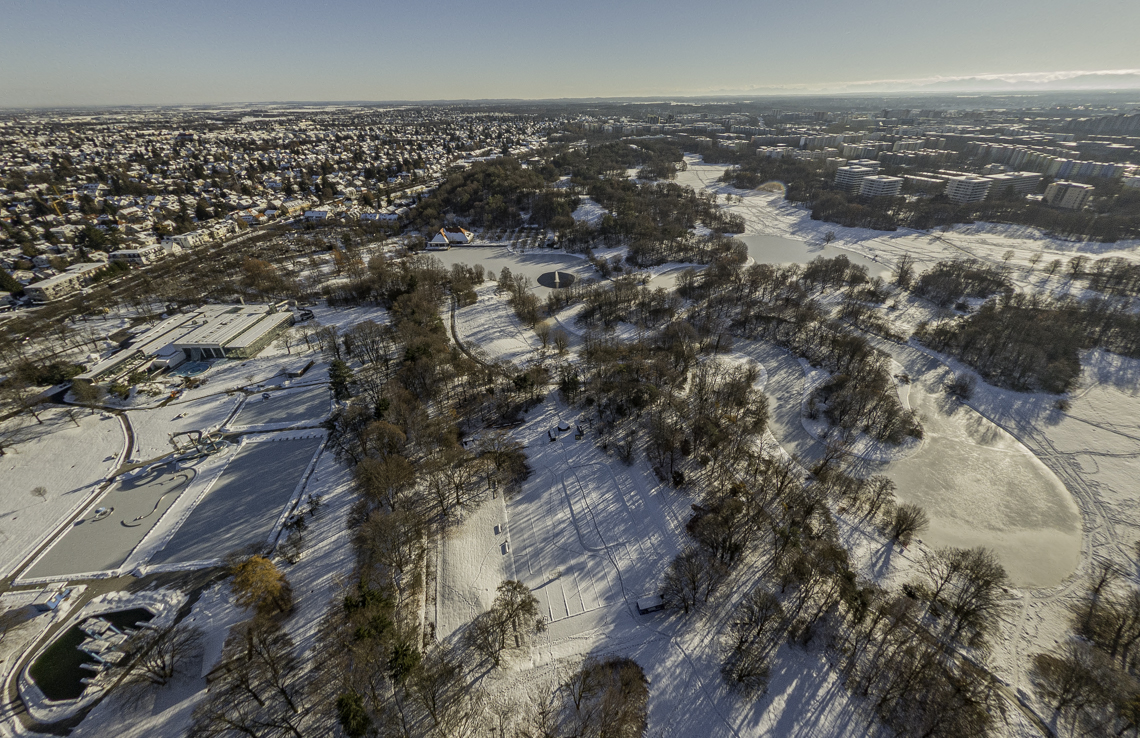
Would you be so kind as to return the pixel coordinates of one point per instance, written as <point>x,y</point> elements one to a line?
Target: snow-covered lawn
<point>492,326</point>
<point>153,427</point>
<point>71,462</point>
<point>589,211</point>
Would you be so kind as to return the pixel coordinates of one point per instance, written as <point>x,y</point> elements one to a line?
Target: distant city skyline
<point>126,52</point>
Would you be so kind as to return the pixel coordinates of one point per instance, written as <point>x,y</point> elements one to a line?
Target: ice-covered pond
<point>781,250</point>
<point>982,487</point>
<point>533,264</point>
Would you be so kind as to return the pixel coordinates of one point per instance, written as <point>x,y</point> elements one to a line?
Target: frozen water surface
<point>531,263</point>
<point>982,487</point>
<point>781,250</point>
<point>245,504</point>
<point>103,542</point>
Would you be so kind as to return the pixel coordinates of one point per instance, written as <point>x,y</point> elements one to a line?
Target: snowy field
<point>245,505</point>
<point>589,211</point>
<point>981,486</point>
<point>71,462</point>
<point>492,326</point>
<point>1092,447</point>
<point>152,427</point>
<point>1044,488</point>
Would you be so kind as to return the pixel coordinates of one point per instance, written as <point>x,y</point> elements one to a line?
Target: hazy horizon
<point>125,52</point>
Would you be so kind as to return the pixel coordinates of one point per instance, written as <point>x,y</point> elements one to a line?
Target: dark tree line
<point>1032,343</point>
<point>414,477</point>
<point>494,194</point>
<point>948,282</point>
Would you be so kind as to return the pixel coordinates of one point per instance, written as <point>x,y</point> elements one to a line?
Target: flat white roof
<point>259,329</point>
<point>232,325</point>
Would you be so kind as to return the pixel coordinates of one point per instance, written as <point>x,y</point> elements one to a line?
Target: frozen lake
<point>245,504</point>
<point>92,545</point>
<point>781,250</point>
<point>978,484</point>
<point>531,263</point>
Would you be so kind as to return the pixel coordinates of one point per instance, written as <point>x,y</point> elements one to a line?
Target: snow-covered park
<point>1047,487</point>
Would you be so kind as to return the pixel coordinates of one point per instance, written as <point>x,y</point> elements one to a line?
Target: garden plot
<point>245,505</point>
<point>285,408</point>
<point>101,541</point>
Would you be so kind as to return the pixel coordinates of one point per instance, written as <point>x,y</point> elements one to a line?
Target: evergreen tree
<point>339,377</point>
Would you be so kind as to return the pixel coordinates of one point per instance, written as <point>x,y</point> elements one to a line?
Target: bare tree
<point>904,271</point>
<point>609,699</point>
<point>40,492</point>
<point>259,688</point>
<point>392,540</point>
<point>1072,680</point>
<point>513,617</point>
<point>561,341</point>
<point>908,520</point>
<point>542,330</point>
<point>756,625</point>
<point>154,657</point>
<point>691,579</point>
<point>441,690</point>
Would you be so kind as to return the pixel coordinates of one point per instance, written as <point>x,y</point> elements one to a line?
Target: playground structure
<point>196,442</point>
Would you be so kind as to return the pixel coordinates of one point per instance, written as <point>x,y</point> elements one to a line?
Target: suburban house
<point>458,235</point>
<point>140,256</point>
<point>449,236</point>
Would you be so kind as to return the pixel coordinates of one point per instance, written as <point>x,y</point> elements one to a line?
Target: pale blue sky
<point>68,52</point>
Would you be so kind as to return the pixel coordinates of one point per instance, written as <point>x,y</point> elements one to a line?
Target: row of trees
<point>413,478</point>
<point>1030,343</point>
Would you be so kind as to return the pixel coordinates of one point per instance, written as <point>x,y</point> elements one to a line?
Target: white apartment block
<point>62,285</point>
<point>880,185</point>
<point>967,189</point>
<point>1068,195</point>
<point>141,256</point>
<point>850,178</point>
<point>1022,183</point>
